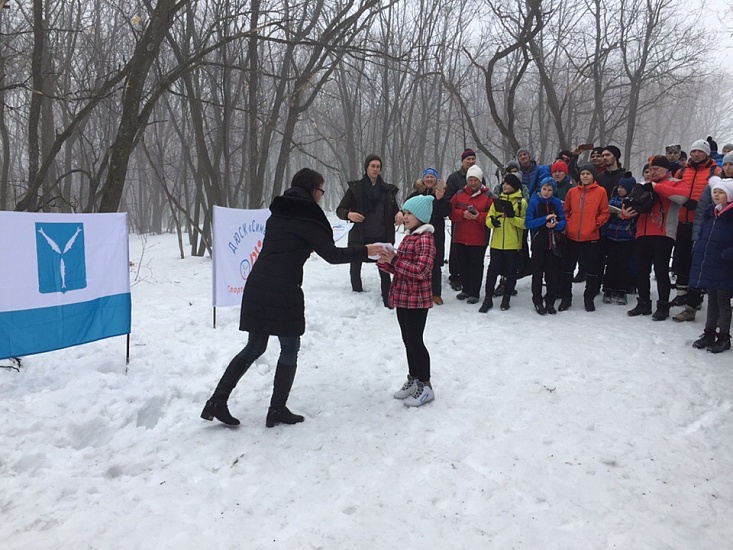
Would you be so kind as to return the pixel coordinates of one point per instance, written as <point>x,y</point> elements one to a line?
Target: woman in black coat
<point>273,303</point>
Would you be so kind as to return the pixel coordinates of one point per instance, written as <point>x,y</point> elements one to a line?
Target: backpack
<point>641,198</point>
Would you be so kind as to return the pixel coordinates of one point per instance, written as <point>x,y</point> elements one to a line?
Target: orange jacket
<point>695,179</point>
<point>586,209</point>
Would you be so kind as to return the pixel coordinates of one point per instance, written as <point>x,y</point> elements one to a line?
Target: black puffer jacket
<point>273,301</point>
<point>354,201</point>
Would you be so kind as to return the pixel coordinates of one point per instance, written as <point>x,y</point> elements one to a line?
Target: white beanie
<point>701,145</point>
<point>725,184</point>
<point>474,172</point>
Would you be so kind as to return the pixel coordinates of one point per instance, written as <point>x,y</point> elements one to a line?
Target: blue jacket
<point>536,218</point>
<point>533,175</point>
<point>617,228</point>
<point>712,253</point>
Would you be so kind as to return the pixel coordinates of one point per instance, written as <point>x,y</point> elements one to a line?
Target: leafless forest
<point>164,108</point>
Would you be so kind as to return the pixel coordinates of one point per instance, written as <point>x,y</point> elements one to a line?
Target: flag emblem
<point>61,257</point>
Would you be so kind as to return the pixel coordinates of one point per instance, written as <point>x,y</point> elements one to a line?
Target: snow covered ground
<point>575,431</point>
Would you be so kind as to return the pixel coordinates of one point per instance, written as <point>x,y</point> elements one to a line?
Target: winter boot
<point>706,339</point>
<point>499,290</point>
<point>505,302</point>
<point>643,307</point>
<point>408,388</point>
<point>540,308</point>
<point>278,413</point>
<point>565,303</point>
<point>487,305</point>
<point>607,296</point>
<point>550,307</point>
<point>588,302</point>
<point>681,298</point>
<point>687,314</point>
<point>662,311</point>
<point>621,298</point>
<point>721,344</point>
<point>423,394</point>
<point>216,406</point>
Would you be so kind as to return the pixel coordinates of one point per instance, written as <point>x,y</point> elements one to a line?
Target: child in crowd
<point>712,266</point>
<point>468,216</point>
<point>563,183</point>
<point>618,236</point>
<point>506,218</point>
<point>546,222</point>
<point>411,294</point>
<point>586,210</point>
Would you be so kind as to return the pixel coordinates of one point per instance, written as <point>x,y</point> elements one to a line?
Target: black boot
<point>550,307</point>
<point>589,304</point>
<point>505,302</point>
<point>721,344</point>
<point>565,303</point>
<point>662,311</point>
<point>487,305</point>
<point>539,308</point>
<point>706,339</point>
<point>643,307</point>
<point>216,406</point>
<point>278,413</point>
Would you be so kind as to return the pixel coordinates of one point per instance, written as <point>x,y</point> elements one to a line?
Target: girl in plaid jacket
<point>411,294</point>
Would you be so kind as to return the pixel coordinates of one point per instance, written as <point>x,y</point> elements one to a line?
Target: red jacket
<point>411,286</point>
<point>695,179</point>
<point>662,220</point>
<point>470,232</point>
<point>586,210</point>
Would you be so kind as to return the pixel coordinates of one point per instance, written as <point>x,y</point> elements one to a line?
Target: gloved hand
<point>509,212</point>
<point>690,204</point>
<point>495,221</point>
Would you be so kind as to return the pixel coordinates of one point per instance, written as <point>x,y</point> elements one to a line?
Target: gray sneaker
<point>687,314</point>
<point>422,394</point>
<point>407,389</point>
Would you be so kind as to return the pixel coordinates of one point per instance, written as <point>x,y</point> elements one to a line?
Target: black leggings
<point>412,324</point>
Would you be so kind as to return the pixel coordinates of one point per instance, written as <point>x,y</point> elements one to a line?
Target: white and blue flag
<point>64,280</point>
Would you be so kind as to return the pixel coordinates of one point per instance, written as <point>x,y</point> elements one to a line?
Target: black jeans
<point>682,260</point>
<point>653,251</point>
<point>545,262</point>
<point>502,262</point>
<point>590,250</point>
<point>412,325</point>
<point>719,311</point>
<point>471,266</point>
<point>618,266</point>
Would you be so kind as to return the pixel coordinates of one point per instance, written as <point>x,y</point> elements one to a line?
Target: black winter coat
<point>273,301</point>
<point>354,201</point>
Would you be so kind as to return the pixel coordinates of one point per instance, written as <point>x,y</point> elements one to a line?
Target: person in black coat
<point>273,302</point>
<point>371,205</point>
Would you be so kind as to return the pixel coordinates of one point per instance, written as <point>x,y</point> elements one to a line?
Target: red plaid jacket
<point>411,267</point>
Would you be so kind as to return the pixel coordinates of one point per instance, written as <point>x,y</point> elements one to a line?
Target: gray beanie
<point>728,158</point>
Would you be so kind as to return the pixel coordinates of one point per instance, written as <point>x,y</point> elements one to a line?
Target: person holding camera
<point>506,220</point>
<point>470,235</point>
<point>656,228</point>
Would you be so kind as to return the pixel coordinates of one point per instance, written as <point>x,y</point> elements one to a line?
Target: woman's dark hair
<point>307,179</point>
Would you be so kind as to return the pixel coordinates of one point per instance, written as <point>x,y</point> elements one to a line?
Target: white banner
<point>237,237</point>
<point>65,280</point>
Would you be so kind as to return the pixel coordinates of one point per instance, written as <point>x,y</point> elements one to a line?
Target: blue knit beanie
<point>420,206</point>
<point>549,181</point>
<point>627,182</point>
<point>432,171</point>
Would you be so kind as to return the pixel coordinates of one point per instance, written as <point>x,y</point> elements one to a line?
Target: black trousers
<point>590,250</point>
<point>502,262</point>
<point>548,264</point>
<point>355,274</point>
<point>412,325</point>
<point>454,270</point>
<point>471,267</point>
<point>682,259</point>
<point>618,266</point>
<point>719,311</point>
<point>653,251</point>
